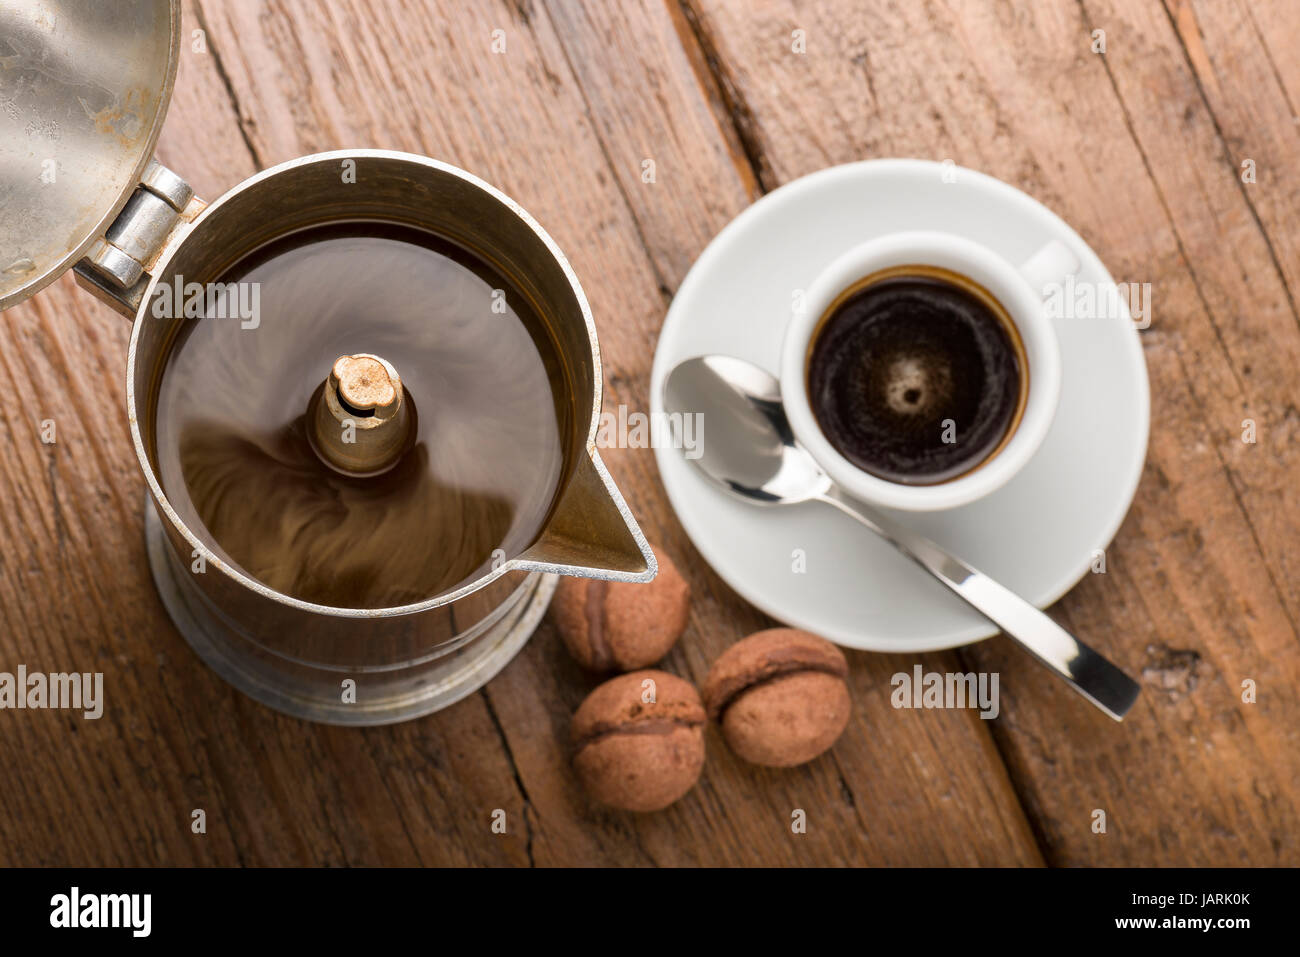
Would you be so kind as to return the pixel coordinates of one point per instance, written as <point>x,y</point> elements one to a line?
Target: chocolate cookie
<point>618,626</point>
<point>638,740</point>
<point>780,696</point>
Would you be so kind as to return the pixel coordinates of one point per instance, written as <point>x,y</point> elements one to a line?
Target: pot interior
<point>373,254</point>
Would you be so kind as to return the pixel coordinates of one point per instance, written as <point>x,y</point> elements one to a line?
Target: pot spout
<point>591,533</point>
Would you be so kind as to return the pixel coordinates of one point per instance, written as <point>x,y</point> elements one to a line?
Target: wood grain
<point>574,172</point>
<point>1130,148</point>
<point>1139,149</point>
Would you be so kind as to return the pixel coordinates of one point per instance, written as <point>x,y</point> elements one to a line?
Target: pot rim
<point>240,577</point>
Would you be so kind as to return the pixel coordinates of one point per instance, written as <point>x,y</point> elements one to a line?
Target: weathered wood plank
<point>1196,597</point>
<point>537,121</point>
<point>1140,151</point>
<point>75,594</point>
<point>563,120</point>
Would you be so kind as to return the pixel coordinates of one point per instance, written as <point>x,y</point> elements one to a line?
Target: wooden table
<point>1140,149</point>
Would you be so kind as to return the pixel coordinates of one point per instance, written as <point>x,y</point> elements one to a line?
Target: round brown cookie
<point>639,754</point>
<point>780,696</point>
<point>620,626</point>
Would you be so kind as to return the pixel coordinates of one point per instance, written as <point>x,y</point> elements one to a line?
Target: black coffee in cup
<point>917,375</point>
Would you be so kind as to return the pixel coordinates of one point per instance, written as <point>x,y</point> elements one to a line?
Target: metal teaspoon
<point>752,453</point>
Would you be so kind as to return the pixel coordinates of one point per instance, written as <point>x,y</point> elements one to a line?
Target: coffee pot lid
<point>84,87</point>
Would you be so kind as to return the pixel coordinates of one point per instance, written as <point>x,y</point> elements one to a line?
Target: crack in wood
<point>230,87</point>
<point>514,768</point>
<point>739,118</point>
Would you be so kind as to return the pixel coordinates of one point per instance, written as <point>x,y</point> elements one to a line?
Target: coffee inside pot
<point>243,439</point>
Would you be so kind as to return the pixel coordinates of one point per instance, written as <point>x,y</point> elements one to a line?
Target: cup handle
<point>1049,265</point>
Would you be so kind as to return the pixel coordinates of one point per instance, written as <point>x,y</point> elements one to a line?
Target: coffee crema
<point>917,375</point>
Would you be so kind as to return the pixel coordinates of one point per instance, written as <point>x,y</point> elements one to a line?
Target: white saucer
<point>1037,535</point>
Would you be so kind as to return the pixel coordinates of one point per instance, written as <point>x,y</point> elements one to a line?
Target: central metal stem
<point>361,419</point>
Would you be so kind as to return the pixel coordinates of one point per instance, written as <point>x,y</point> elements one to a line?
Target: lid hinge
<point>116,268</point>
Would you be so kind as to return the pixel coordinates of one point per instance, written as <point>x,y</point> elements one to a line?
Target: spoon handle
<point>1087,672</point>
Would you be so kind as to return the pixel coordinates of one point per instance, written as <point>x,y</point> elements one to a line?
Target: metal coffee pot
<point>84,86</point>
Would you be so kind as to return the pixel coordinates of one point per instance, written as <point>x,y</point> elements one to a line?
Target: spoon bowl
<point>750,449</point>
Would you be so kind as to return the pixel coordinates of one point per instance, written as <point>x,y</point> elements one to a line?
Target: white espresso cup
<point>1019,290</point>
